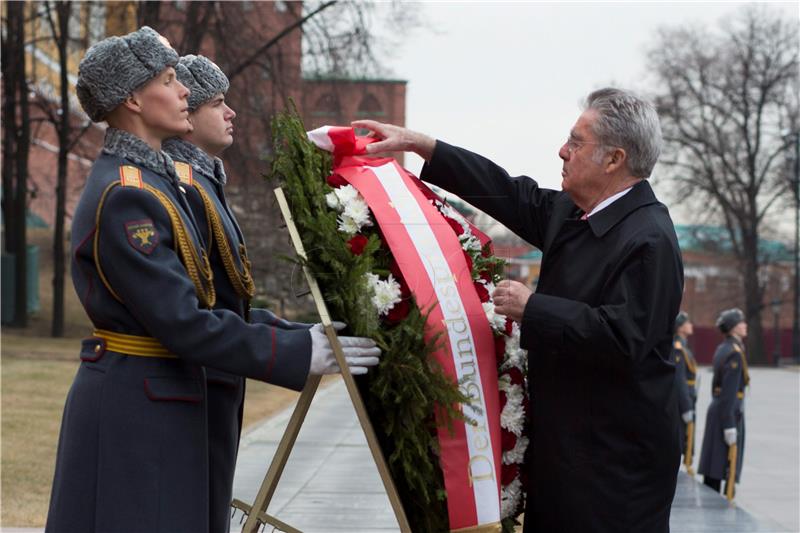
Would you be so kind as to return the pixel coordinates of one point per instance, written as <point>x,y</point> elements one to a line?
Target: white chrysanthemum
<point>346,194</point>
<point>512,341</point>
<point>510,497</point>
<point>333,201</point>
<point>490,287</point>
<point>514,355</point>
<point>517,453</point>
<point>469,242</point>
<point>496,320</point>
<point>515,359</point>
<point>512,416</point>
<point>358,210</point>
<point>385,294</point>
<point>348,225</point>
<point>450,212</point>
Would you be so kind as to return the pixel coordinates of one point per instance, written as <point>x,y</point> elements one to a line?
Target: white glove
<point>730,436</point>
<point>360,352</point>
<point>688,416</point>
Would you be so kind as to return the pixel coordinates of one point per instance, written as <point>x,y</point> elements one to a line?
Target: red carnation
<point>426,191</point>
<point>509,326</point>
<point>357,244</point>
<point>394,268</point>
<point>455,225</point>
<point>468,259</point>
<point>486,276</point>
<point>516,376</point>
<point>507,440</point>
<point>503,400</point>
<point>336,180</point>
<point>523,478</point>
<point>499,349</point>
<point>398,312</point>
<point>509,474</point>
<point>483,293</point>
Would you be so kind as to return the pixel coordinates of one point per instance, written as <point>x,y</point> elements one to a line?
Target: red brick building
<point>713,282</point>
<point>255,94</point>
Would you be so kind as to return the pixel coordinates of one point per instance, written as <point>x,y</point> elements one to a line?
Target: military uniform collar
<point>128,146</point>
<point>202,163</point>
<point>640,195</point>
<point>737,342</point>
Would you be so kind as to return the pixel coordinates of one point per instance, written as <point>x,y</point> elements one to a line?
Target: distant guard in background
<point>686,383</point>
<point>723,442</point>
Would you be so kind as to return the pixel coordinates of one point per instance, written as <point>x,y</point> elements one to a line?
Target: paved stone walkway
<point>770,483</point>
<point>330,484</point>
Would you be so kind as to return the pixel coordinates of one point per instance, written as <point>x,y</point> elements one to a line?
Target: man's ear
<point>615,160</point>
<point>133,103</point>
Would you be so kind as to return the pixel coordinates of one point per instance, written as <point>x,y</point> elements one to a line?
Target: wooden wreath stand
<point>257,512</point>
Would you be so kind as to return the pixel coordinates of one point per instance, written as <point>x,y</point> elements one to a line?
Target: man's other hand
<point>510,298</point>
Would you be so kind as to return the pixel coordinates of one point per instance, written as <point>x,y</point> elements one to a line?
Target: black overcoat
<point>726,410</point>
<point>604,449</point>
<point>134,451</point>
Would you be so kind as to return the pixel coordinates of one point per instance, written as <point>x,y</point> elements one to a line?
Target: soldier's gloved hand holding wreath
<point>360,352</point>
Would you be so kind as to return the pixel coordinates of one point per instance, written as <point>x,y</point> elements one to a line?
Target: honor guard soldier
<point>136,449</point>
<point>723,440</point>
<point>685,381</point>
<point>197,162</point>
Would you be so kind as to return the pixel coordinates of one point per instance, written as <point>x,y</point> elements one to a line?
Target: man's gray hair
<point>628,122</point>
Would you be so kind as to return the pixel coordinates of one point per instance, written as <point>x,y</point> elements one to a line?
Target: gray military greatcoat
<point>685,381</point>
<point>136,447</point>
<point>725,411</point>
<point>225,391</point>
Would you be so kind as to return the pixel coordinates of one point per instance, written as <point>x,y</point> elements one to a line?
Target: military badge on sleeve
<point>142,235</point>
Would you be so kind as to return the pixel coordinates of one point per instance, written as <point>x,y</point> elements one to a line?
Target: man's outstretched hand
<point>396,139</point>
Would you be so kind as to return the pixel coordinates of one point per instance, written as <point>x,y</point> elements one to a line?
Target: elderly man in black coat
<point>605,443</point>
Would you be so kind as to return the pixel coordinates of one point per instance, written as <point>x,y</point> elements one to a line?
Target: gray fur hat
<point>115,67</point>
<point>681,319</point>
<point>203,78</point>
<point>729,318</point>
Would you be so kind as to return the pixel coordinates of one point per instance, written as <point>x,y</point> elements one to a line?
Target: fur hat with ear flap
<point>681,319</point>
<point>115,67</point>
<point>203,78</point>
<point>728,319</point>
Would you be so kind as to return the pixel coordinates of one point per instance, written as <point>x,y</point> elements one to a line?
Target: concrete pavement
<point>330,484</point>
<point>770,483</point>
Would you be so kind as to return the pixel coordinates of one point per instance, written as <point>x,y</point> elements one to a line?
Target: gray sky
<point>506,79</point>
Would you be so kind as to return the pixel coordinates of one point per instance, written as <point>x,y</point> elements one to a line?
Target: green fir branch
<point>408,386</point>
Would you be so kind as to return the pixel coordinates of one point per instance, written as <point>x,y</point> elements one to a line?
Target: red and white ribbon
<point>433,265</point>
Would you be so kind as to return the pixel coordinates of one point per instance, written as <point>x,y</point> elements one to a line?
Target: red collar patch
<point>142,235</point>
